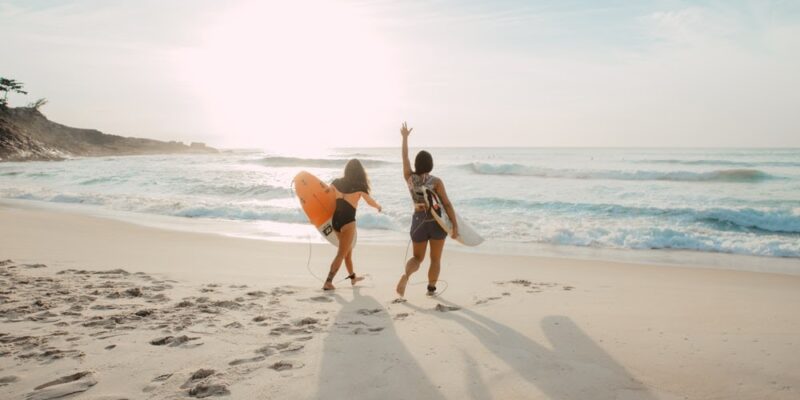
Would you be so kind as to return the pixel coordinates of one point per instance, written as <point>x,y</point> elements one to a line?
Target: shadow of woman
<point>574,368</point>
<point>364,358</point>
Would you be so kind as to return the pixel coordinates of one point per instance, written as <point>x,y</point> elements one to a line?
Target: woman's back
<point>348,191</point>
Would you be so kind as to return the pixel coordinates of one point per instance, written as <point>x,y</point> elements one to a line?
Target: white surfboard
<point>466,233</point>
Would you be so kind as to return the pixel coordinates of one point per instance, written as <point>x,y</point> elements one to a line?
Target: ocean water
<point>739,201</point>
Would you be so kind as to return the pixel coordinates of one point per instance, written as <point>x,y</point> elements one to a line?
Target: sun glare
<point>284,75</point>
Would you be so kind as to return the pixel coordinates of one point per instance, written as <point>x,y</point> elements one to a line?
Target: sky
<point>308,74</point>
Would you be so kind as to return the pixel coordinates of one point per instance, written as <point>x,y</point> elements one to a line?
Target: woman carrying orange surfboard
<point>424,228</point>
<point>349,190</point>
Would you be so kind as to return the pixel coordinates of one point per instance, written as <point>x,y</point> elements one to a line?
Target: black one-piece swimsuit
<point>343,215</point>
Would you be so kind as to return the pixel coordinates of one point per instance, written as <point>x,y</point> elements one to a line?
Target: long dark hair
<point>354,180</point>
<point>423,163</point>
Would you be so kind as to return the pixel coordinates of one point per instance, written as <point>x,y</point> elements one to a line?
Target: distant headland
<point>27,135</point>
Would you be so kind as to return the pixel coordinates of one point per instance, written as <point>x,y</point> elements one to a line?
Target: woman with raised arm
<point>349,190</point>
<point>424,229</point>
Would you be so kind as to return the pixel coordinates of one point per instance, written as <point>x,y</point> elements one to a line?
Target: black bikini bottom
<point>343,215</point>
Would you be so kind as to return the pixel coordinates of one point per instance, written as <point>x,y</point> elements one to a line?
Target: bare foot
<point>431,290</point>
<point>355,279</point>
<point>328,286</point>
<point>401,285</point>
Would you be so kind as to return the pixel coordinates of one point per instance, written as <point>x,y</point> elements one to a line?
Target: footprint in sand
<point>63,387</point>
<point>156,382</point>
<point>144,313</point>
<point>486,300</point>
<point>197,376</point>
<point>306,321</point>
<point>5,380</point>
<point>203,384</point>
<point>162,378</point>
<point>284,365</point>
<point>443,308</point>
<point>103,307</point>
<point>279,291</point>
<point>321,299</point>
<point>266,351</point>
<point>228,304</point>
<point>159,288</point>
<point>202,390</point>
<point>274,348</point>
<point>132,292</point>
<point>365,311</point>
<point>401,316</point>
<point>288,347</point>
<point>288,329</point>
<point>240,361</point>
<point>117,271</point>
<point>173,341</point>
<point>367,331</point>
<point>536,287</point>
<point>51,354</point>
<point>99,322</point>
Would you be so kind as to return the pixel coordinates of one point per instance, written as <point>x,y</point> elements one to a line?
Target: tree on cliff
<point>37,104</point>
<point>9,85</point>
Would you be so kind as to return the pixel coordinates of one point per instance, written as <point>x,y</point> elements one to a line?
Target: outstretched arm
<point>404,131</point>
<point>438,187</point>
<point>371,201</point>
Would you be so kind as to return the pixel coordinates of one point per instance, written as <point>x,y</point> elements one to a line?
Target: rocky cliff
<point>26,134</point>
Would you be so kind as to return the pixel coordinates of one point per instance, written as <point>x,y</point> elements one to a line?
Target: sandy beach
<point>105,309</point>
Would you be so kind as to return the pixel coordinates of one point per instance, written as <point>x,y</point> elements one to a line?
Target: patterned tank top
<point>421,189</point>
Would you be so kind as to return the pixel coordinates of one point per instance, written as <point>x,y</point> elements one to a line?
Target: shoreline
<point>146,313</point>
<point>255,230</point>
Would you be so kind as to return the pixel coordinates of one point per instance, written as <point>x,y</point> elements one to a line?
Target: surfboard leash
<point>308,240</point>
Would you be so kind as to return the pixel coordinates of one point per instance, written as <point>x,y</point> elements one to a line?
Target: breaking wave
<point>725,175</point>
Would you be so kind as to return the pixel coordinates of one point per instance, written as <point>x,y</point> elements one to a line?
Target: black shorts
<point>424,228</point>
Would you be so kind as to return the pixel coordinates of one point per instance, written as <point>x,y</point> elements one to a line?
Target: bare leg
<point>348,263</point>
<point>437,247</point>
<point>412,265</point>
<point>345,246</point>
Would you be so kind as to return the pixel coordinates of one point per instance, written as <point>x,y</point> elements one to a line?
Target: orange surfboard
<point>318,201</point>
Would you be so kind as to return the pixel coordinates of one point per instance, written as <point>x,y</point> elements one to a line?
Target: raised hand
<point>404,130</point>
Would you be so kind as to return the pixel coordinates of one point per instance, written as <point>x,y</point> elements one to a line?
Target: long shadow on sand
<point>574,368</point>
<point>362,362</point>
